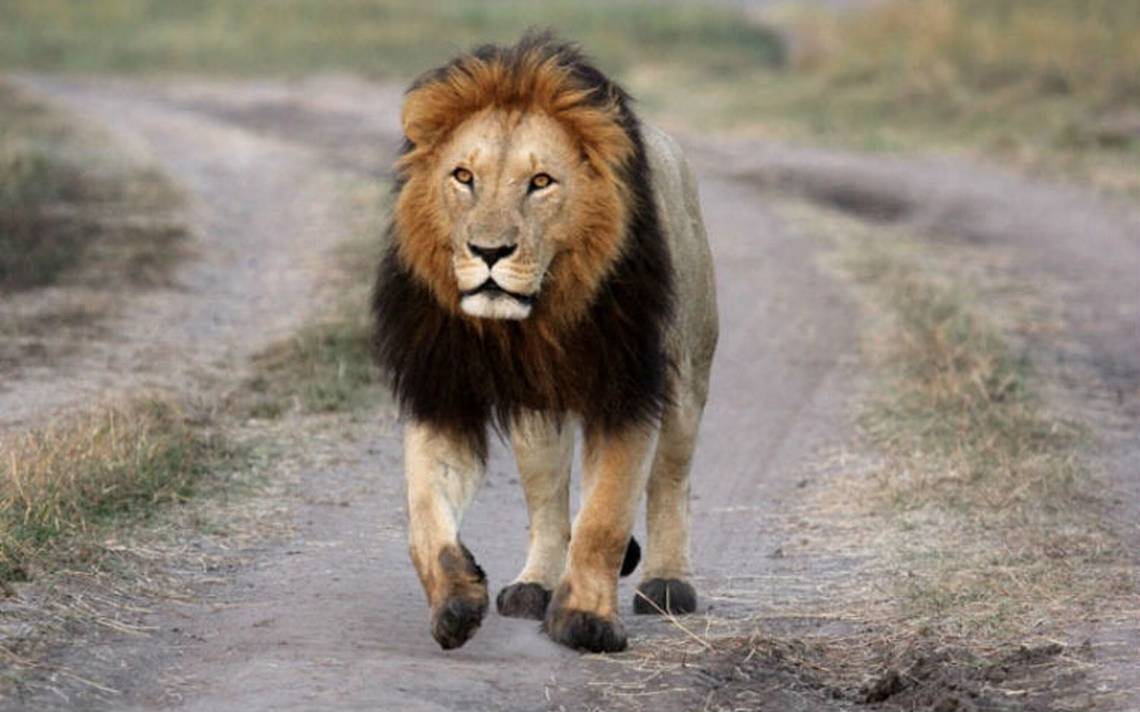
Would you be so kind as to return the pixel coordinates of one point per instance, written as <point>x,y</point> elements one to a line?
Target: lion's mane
<point>600,355</point>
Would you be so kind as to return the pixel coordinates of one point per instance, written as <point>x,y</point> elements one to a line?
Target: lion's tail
<point>632,557</point>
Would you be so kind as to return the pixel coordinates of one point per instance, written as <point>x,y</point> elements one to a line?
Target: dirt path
<point>1079,251</point>
<point>262,215</point>
<point>332,617</point>
<point>335,617</point>
<point>1079,248</point>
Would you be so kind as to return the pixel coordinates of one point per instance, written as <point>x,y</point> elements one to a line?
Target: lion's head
<point>512,200</point>
<point>528,269</point>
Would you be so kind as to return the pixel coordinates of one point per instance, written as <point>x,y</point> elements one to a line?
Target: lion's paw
<point>456,620</point>
<point>664,596</point>
<point>583,630</point>
<point>523,600</point>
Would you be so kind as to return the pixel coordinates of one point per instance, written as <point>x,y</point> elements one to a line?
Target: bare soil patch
<point>765,673</point>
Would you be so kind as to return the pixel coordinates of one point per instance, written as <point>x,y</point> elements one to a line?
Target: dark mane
<point>610,366</point>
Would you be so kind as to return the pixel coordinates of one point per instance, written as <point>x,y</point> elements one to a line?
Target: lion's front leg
<point>583,612</point>
<point>442,476</point>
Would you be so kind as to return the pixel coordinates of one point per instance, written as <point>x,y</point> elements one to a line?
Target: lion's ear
<point>433,109</point>
<point>421,119</point>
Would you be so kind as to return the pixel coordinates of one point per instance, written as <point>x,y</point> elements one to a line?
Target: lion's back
<point>692,338</point>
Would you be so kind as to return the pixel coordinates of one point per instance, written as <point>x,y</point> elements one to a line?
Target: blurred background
<point>925,403</point>
<point>1053,84</point>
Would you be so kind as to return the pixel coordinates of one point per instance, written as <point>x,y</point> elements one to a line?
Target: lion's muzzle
<point>495,282</point>
<point>491,301</point>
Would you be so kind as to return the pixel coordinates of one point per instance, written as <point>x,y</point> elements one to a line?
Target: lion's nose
<point>491,255</point>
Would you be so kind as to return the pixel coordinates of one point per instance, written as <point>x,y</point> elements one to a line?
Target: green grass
<point>376,37</point>
<point>65,484</point>
<point>326,367</point>
<point>74,208</point>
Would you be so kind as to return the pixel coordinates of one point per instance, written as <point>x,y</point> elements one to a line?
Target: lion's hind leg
<point>544,449</point>
<point>665,585</point>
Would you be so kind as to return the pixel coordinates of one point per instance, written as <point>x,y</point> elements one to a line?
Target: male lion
<point>548,269</point>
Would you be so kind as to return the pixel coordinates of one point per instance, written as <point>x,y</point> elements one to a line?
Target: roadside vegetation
<point>65,484</point>
<point>82,222</point>
<point>997,510</point>
<point>1051,86</point>
<point>980,500</point>
<point>381,38</point>
<point>86,224</point>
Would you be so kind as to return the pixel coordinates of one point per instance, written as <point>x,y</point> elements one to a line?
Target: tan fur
<point>544,451</point>
<point>691,342</point>
<point>505,129</point>
<point>442,477</point>
<point>614,475</point>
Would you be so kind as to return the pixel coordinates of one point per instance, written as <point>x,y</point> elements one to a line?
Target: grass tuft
<point>959,394</point>
<point>37,244</point>
<point>62,483</point>
<point>326,367</point>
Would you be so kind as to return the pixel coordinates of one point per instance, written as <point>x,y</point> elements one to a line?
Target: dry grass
<point>63,484</point>
<point>998,518</point>
<point>963,398</point>
<point>327,366</point>
<point>1050,86</point>
<point>954,52</point>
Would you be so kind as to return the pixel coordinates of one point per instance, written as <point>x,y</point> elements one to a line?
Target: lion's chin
<point>494,306</point>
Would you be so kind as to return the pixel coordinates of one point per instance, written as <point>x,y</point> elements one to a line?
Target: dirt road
<point>257,252</point>
<point>332,616</point>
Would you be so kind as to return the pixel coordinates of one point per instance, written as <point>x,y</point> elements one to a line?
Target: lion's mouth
<point>492,289</point>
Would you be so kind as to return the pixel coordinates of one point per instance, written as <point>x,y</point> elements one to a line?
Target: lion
<point>547,273</point>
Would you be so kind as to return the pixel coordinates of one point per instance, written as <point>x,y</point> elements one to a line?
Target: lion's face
<point>506,183</point>
<point>512,205</point>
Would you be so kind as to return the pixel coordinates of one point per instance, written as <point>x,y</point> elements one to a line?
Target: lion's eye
<point>540,181</point>
<point>463,175</point>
